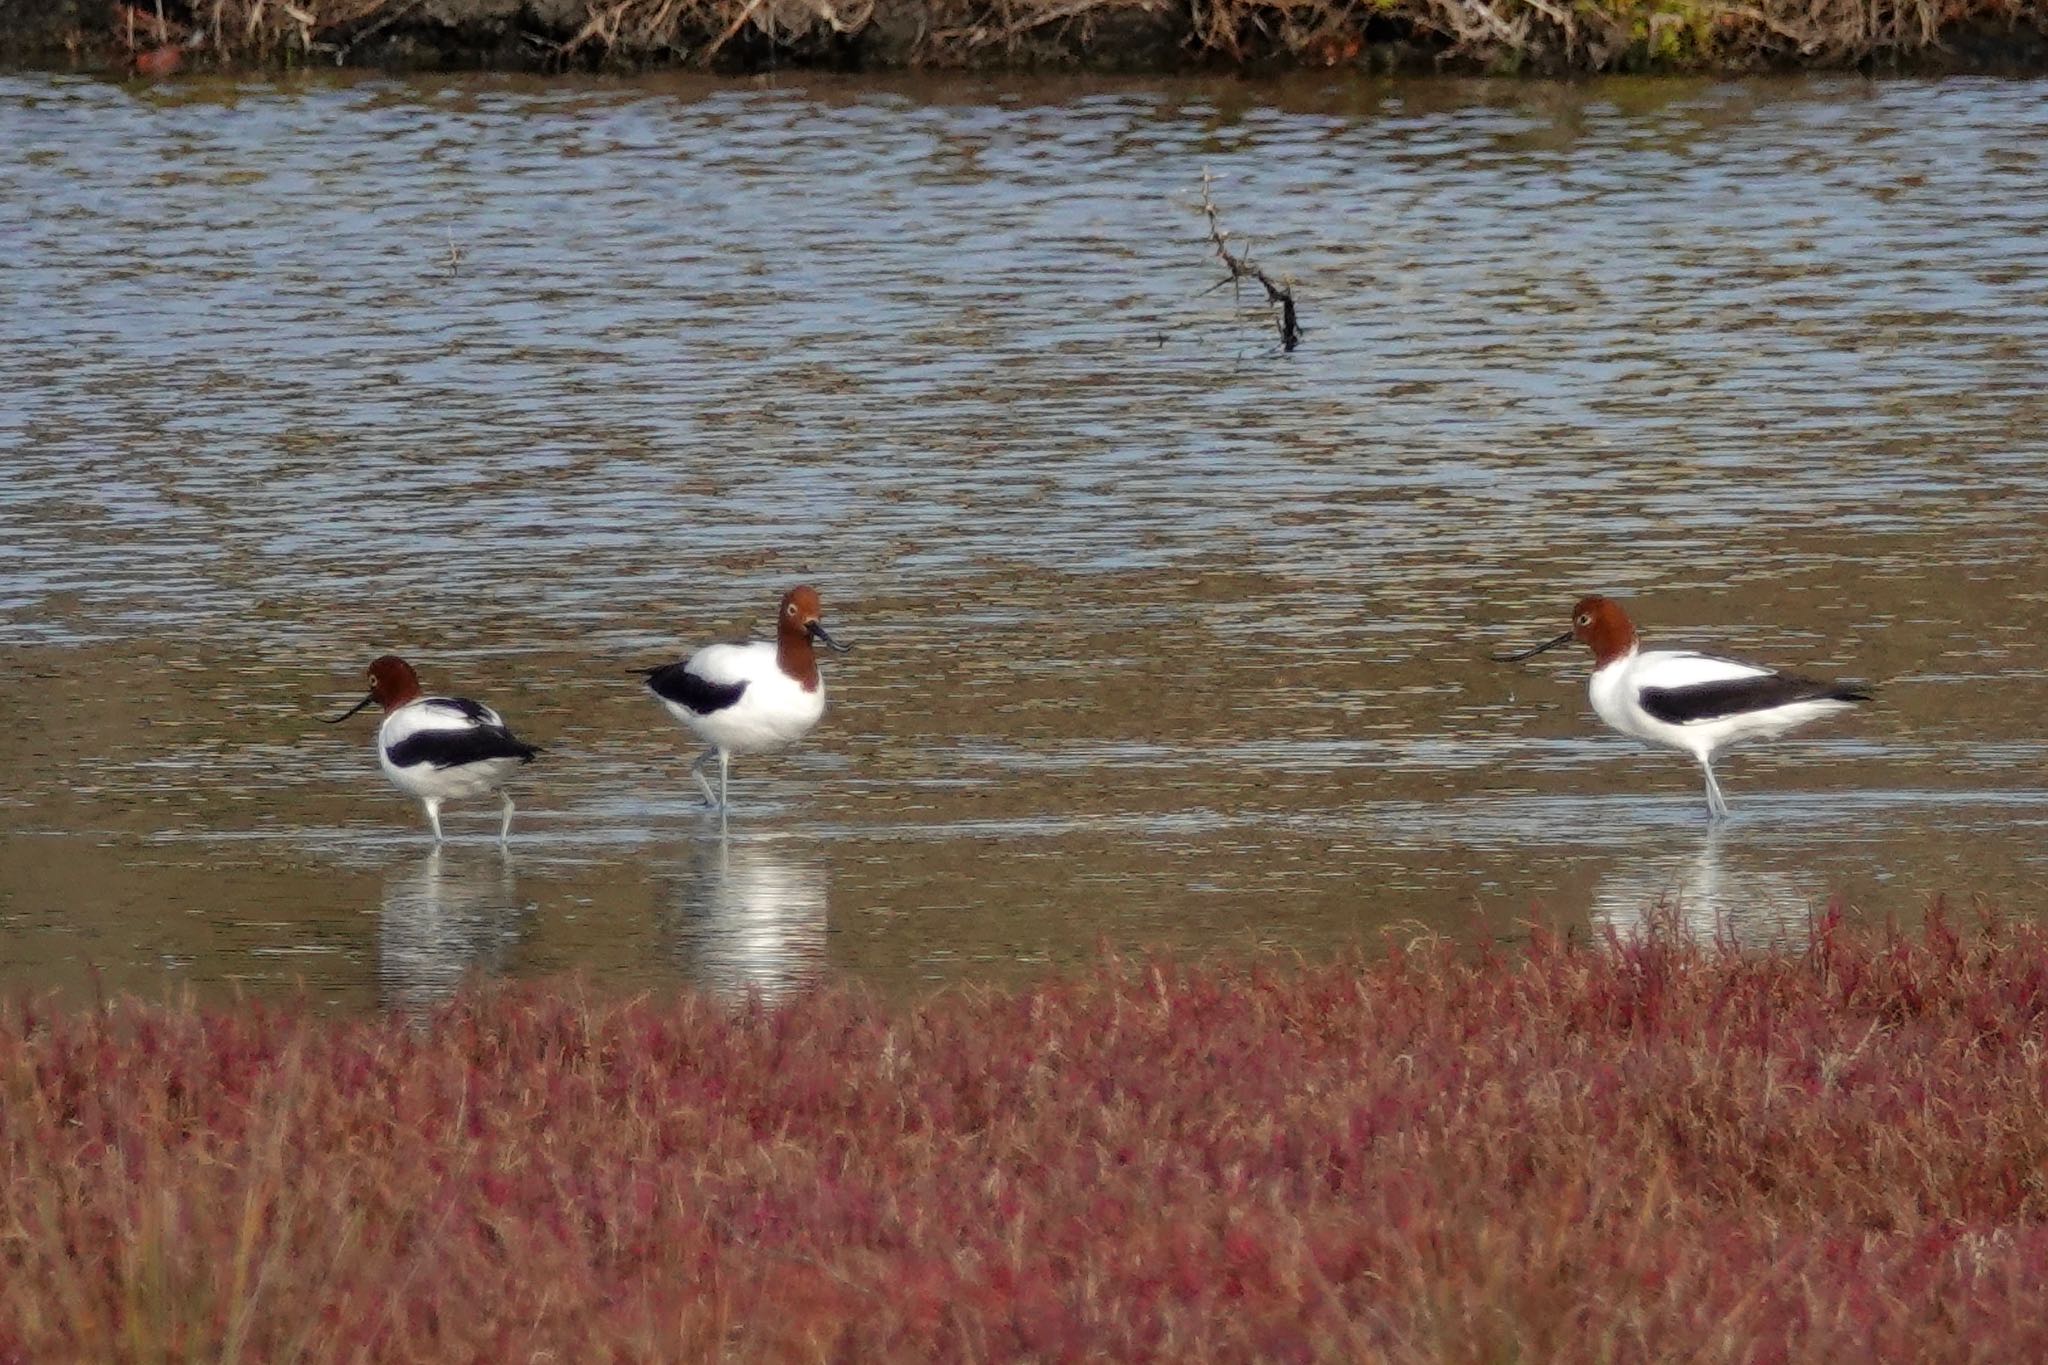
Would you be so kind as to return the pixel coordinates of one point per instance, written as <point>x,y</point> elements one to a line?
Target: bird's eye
<point>1584,619</point>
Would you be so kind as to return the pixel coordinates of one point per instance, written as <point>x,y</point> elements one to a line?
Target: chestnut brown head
<point>1599,623</point>
<point>392,685</point>
<point>797,628</point>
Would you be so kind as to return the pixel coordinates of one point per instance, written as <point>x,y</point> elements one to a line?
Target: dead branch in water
<point>1241,269</point>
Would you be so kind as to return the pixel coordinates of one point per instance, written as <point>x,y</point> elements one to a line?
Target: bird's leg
<point>505,829</point>
<point>724,771</point>
<point>697,771</point>
<point>1717,804</point>
<point>432,805</point>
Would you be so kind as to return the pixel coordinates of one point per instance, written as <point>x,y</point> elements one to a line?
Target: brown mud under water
<point>1118,35</point>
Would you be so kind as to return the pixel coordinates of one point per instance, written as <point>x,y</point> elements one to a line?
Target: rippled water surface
<point>1161,636</point>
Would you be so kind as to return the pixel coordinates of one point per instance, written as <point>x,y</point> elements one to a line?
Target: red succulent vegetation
<point>1636,1150</point>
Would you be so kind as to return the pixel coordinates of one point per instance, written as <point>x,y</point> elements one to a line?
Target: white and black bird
<point>437,749</point>
<point>1694,702</point>
<point>753,697</point>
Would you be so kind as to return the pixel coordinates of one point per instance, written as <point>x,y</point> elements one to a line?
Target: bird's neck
<point>391,698</point>
<point>1611,652</point>
<point>796,657</point>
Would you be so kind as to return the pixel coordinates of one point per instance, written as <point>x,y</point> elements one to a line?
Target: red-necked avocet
<point>1688,701</point>
<point>753,697</point>
<point>435,749</point>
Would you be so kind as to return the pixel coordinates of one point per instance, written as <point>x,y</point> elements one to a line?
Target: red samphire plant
<point>1641,1150</point>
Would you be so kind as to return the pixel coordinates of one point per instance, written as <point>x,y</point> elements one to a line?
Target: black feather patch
<point>455,748</point>
<point>460,706</point>
<point>1733,696</point>
<point>676,683</point>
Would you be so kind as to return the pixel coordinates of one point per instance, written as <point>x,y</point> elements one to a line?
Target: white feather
<point>727,664</point>
<point>432,713</point>
<point>1616,691</point>
<point>774,711</point>
<point>1668,668</point>
<point>424,781</point>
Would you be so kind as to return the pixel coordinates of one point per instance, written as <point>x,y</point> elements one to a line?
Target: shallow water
<point>1161,636</point>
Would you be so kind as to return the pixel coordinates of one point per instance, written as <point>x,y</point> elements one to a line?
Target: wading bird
<point>435,749</point>
<point>1688,701</point>
<point>753,697</point>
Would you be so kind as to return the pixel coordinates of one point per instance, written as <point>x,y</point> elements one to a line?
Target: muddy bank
<point>1532,36</point>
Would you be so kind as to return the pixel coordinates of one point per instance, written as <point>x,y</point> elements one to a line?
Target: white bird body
<point>772,710</point>
<point>437,749</point>
<point>1618,690</point>
<point>1696,703</point>
<point>444,748</point>
<point>753,697</point>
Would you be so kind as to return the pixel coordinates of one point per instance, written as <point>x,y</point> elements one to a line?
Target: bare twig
<point>1241,269</point>
<point>739,22</point>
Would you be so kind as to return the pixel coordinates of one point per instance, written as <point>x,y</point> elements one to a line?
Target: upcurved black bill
<point>817,632</point>
<point>336,720</point>
<point>1563,639</point>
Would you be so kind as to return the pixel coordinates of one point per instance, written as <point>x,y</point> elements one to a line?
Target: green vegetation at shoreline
<point>1635,1150</point>
<point>1499,36</point>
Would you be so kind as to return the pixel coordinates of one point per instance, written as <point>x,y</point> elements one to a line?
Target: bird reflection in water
<point>1708,894</point>
<point>750,917</point>
<point>445,917</point>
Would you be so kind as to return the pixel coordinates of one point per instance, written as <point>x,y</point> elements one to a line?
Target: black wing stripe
<point>454,748</point>
<point>461,706</point>
<point>678,684</point>
<point>1733,696</point>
